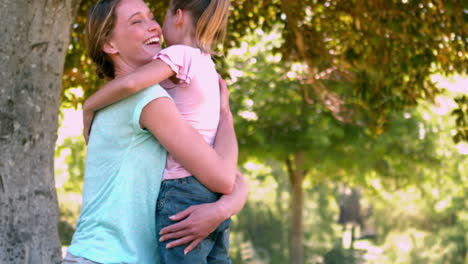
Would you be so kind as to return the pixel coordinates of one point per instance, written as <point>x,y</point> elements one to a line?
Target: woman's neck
<point>122,68</point>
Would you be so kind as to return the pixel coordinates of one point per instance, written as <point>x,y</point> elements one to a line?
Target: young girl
<point>190,29</point>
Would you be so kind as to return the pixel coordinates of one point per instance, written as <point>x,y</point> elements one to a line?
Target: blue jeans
<point>176,196</point>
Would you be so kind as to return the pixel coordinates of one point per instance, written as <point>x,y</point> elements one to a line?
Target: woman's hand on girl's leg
<point>196,223</point>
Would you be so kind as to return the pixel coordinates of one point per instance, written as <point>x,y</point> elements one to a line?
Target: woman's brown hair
<point>210,18</point>
<point>101,20</point>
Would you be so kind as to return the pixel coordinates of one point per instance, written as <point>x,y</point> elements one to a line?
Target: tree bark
<point>296,177</point>
<point>34,40</point>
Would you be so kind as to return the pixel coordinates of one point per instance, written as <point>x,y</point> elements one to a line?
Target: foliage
<point>426,221</point>
<point>273,121</point>
<point>379,53</point>
<point>361,59</point>
<point>271,116</point>
<point>65,227</point>
<point>461,115</point>
<point>263,224</point>
<point>79,71</point>
<point>70,157</point>
<point>73,151</point>
<point>339,255</point>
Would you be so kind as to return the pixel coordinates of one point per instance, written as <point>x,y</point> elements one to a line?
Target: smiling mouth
<point>152,41</point>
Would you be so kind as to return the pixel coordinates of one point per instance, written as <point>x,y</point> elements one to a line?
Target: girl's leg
<point>220,252</point>
<point>175,196</point>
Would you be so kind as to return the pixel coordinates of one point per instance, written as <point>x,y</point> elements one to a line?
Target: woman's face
<point>136,36</point>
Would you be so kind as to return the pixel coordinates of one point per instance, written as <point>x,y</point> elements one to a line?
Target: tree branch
<point>329,99</point>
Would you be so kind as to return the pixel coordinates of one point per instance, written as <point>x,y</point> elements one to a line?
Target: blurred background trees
<point>354,153</point>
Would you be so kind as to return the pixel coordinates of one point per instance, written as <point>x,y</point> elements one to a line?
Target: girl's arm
<point>198,221</point>
<point>122,87</point>
<point>212,167</point>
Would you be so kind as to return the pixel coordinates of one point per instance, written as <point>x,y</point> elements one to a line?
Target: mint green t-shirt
<point>124,166</point>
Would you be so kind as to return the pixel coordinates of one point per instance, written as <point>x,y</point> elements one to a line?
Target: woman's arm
<point>225,135</point>
<point>198,221</point>
<point>213,168</point>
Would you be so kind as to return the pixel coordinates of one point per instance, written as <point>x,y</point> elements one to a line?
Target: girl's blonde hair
<point>210,20</point>
<point>99,26</point>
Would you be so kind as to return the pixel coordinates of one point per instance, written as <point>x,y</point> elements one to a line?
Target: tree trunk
<point>296,177</point>
<point>34,40</point>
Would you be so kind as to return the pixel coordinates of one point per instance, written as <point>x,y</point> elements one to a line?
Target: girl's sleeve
<point>179,58</point>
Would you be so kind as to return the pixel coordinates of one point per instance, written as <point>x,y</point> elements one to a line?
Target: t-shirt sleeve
<point>179,58</point>
<point>153,93</point>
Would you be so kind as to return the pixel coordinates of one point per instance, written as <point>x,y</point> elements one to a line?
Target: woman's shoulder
<point>155,91</point>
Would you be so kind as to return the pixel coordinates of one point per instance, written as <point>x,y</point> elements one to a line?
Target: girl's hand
<point>88,117</point>
<point>198,221</point>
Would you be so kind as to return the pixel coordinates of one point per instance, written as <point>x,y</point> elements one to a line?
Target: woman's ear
<point>109,47</point>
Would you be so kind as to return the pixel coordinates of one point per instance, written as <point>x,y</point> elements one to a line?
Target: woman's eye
<point>136,22</point>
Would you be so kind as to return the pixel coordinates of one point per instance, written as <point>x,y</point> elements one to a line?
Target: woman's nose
<point>154,26</point>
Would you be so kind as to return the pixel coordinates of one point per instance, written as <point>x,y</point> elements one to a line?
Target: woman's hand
<point>225,110</point>
<point>224,94</point>
<point>88,117</point>
<point>198,221</point>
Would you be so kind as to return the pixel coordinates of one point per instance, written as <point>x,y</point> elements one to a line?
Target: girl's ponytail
<point>212,25</point>
<point>209,18</point>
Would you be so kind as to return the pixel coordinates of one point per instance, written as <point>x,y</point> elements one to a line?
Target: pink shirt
<point>196,95</point>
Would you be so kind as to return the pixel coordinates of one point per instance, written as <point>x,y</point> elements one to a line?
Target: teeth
<point>152,40</point>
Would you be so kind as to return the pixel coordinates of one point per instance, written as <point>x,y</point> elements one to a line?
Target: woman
<point>125,162</point>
